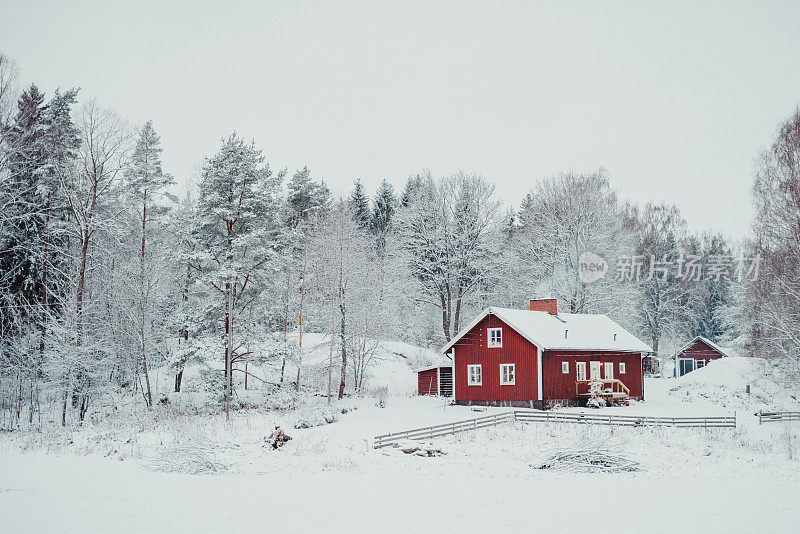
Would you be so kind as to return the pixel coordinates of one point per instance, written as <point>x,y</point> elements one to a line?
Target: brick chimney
<point>548,305</point>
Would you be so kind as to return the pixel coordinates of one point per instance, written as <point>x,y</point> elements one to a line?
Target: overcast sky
<point>673,99</point>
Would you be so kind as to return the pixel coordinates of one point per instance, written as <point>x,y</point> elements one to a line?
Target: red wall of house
<point>700,350</point>
<point>471,349</point>
<point>557,385</point>
<point>427,382</point>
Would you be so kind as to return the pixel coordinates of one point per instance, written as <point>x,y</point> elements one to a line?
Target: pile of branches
<point>588,460</point>
<point>425,452</point>
<point>199,457</point>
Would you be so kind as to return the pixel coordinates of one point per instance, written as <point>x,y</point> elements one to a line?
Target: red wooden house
<point>538,357</point>
<point>697,353</point>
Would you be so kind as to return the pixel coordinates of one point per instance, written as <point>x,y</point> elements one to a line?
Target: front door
<point>685,365</point>
<point>594,370</point>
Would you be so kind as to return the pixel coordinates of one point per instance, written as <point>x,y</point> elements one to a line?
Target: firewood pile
<point>588,460</point>
<point>278,438</point>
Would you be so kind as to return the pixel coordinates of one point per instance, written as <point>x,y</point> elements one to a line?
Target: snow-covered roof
<point>428,368</point>
<point>725,351</point>
<point>565,331</point>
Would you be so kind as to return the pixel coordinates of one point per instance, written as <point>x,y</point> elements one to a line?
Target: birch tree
<point>773,292</point>
<point>89,189</point>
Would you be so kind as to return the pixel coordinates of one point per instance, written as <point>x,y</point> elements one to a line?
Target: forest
<point>111,267</point>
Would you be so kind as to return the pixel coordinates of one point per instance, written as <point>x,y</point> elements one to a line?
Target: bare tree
<point>774,294</point>
<point>88,185</point>
<point>446,228</point>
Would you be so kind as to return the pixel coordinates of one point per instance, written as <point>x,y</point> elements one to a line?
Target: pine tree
<point>237,234</point>
<point>305,197</point>
<point>359,205</point>
<point>146,183</point>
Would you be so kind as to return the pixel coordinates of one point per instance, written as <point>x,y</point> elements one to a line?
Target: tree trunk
<point>229,353</point>
<point>333,338</point>
<point>445,316</point>
<point>143,303</point>
<point>342,335</point>
<point>300,322</point>
<point>286,316</point>
<point>184,332</point>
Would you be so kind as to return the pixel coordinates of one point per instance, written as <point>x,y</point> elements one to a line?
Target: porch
<point>612,390</point>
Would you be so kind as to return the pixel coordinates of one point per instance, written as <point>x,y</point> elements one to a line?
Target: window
<point>474,377</point>
<point>495,337</point>
<point>580,370</point>
<point>685,365</point>
<point>506,374</point>
<point>700,363</point>
<point>622,368</point>
<point>609,369</point>
<point>565,367</point>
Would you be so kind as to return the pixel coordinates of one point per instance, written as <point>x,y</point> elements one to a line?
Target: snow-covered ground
<point>169,471</point>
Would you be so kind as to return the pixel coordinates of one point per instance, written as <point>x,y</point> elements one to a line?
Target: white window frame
<point>699,363</point>
<point>565,368</point>
<point>491,343</point>
<point>608,369</point>
<point>622,368</point>
<point>503,374</point>
<point>580,370</point>
<point>470,375</point>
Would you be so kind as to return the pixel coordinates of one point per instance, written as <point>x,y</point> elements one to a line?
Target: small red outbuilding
<point>538,357</point>
<point>435,380</point>
<point>697,353</point>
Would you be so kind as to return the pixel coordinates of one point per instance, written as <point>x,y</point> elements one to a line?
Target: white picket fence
<point>772,417</point>
<point>428,432</point>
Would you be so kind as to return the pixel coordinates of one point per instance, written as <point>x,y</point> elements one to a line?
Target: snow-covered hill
<point>724,383</point>
<point>391,368</point>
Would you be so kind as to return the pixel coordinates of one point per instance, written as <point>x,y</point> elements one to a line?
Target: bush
<point>317,417</point>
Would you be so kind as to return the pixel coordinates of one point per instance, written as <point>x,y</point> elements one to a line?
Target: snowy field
<point>170,472</point>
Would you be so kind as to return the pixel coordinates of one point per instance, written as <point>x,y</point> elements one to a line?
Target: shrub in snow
<point>381,393</point>
<point>281,396</point>
<point>316,417</point>
<point>596,402</point>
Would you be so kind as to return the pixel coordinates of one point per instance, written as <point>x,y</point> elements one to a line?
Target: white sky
<point>674,99</point>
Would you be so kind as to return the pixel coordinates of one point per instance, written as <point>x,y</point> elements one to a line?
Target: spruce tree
<point>413,184</point>
<point>359,205</point>
<point>22,207</point>
<point>383,210</point>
